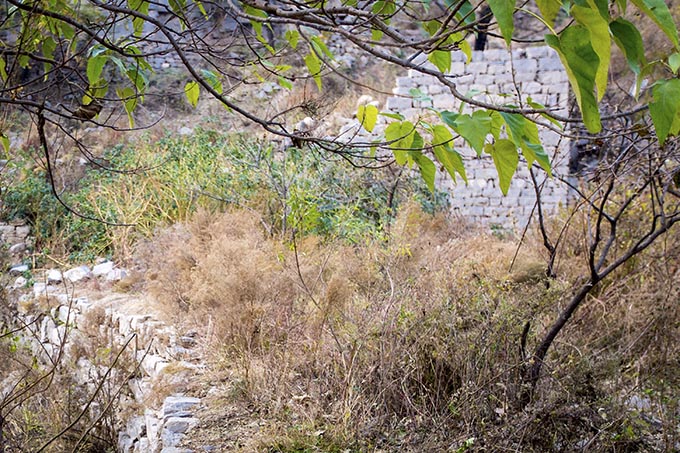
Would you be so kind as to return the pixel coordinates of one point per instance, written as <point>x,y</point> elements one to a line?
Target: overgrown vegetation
<point>415,344</point>
<point>131,191</point>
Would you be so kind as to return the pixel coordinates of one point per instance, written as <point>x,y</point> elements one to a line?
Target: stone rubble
<point>64,323</point>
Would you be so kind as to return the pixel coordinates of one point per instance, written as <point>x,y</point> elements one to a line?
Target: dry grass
<point>411,344</point>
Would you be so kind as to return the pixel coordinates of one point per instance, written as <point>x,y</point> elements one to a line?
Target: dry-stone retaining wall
<point>498,77</point>
<point>57,318</point>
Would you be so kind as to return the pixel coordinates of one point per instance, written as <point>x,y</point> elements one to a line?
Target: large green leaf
<point>129,98</point>
<point>427,169</point>
<point>674,62</point>
<point>506,159</point>
<point>401,135</point>
<point>49,45</point>
<point>658,11</point>
<point>503,11</point>
<point>581,63</point>
<point>442,146</point>
<point>524,134</point>
<point>95,65</point>
<point>600,40</point>
<point>213,80</point>
<point>384,8</point>
<point>314,67</point>
<point>473,128</point>
<point>367,116</point>
<point>292,36</point>
<point>320,47</point>
<point>665,108</point>
<point>141,6</point>
<point>628,39</point>
<point>549,9</point>
<point>441,59</point>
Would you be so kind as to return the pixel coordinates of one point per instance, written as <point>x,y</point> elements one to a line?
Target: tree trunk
<point>535,365</point>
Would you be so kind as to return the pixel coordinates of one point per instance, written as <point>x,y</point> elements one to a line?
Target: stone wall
<point>534,72</point>
<point>60,316</point>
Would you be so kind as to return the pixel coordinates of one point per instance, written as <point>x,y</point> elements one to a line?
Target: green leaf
<point>213,80</point>
<point>320,47</point>
<point>665,108</point>
<point>473,129</point>
<point>202,10</point>
<point>394,116</point>
<point>192,90</point>
<point>581,63</point>
<point>658,11</point>
<point>141,6</point>
<point>524,134</point>
<point>292,37</point>
<point>95,65</point>
<point>285,83</point>
<point>129,98</point>
<point>503,11</point>
<point>367,116</point>
<point>66,30</point>
<point>431,26</point>
<point>139,79</point>
<point>549,9</point>
<point>401,134</point>
<point>3,72</point>
<point>376,34</point>
<point>465,10</point>
<point>600,41</point>
<point>314,67</point>
<point>5,142</point>
<point>539,106</point>
<point>674,62</point>
<point>506,159</point>
<point>384,8</point>
<point>628,39</point>
<point>177,7</point>
<point>465,47</point>
<point>441,59</point>
<point>449,158</point>
<point>257,24</point>
<point>427,169</point>
<point>48,48</point>
<point>140,61</point>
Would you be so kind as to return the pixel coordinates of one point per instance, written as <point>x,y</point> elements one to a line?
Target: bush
<point>156,184</point>
<point>409,344</point>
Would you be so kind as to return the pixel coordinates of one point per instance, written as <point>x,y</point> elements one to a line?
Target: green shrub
<point>155,184</point>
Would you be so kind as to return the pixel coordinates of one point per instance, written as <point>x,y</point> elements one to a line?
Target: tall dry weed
<point>413,343</point>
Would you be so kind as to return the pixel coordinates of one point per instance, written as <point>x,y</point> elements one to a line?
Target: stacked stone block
<point>497,77</point>
<point>63,323</point>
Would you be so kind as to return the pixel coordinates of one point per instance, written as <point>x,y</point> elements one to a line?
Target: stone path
<point>63,311</point>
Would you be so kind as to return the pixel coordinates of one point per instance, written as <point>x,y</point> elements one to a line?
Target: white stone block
<point>102,269</point>
<point>550,64</point>
<point>174,404</point>
<point>54,276</point>
<point>180,424</point>
<point>443,101</point>
<point>17,270</point>
<point>539,52</point>
<point>405,82</point>
<point>397,104</point>
<point>457,68</point>
<point>77,274</point>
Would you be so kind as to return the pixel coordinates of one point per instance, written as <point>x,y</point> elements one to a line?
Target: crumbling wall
<point>501,78</point>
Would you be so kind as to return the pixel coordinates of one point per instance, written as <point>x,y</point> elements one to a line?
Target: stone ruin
<point>498,77</point>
